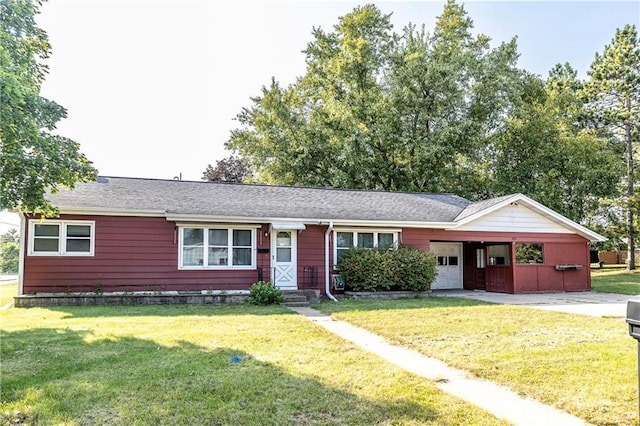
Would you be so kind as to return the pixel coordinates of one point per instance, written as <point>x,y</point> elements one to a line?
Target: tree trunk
<point>631,244</point>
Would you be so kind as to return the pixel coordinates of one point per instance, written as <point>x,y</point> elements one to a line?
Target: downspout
<point>327,281</point>
<point>23,245</point>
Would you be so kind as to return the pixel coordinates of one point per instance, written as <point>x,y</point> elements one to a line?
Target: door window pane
<point>453,260</point>
<point>365,240</point>
<point>283,239</point>
<point>480,260</point>
<point>498,255</point>
<point>442,260</point>
<point>283,254</point>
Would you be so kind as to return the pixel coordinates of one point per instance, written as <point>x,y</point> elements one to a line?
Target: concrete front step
<point>295,298</point>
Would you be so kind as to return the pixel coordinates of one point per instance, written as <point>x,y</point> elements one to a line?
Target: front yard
<point>583,365</point>
<point>255,366</point>
<point>615,280</point>
<point>210,365</point>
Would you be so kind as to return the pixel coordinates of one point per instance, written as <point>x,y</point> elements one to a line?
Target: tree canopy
<point>33,160</point>
<point>432,112</point>
<point>380,110</point>
<point>230,169</point>
<point>612,96</point>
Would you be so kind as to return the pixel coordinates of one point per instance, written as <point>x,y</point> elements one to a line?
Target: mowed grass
<point>177,365</point>
<point>7,293</point>
<point>615,280</point>
<point>582,365</point>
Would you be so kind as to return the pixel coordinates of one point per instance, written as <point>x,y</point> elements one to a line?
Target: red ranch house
<point>142,235</point>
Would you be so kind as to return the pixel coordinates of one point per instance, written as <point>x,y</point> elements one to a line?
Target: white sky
<point>152,87</point>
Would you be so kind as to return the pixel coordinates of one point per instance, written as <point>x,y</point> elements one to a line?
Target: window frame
<point>493,260</point>
<point>355,232</point>
<point>62,237</point>
<point>205,247</point>
<point>542,254</point>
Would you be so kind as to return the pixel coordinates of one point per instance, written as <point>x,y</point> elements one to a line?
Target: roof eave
<point>309,221</point>
<point>541,209</point>
<point>101,211</point>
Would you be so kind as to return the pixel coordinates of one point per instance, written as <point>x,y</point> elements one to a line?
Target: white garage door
<point>449,265</point>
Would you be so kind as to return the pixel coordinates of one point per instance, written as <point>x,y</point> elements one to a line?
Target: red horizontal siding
<point>311,255</point>
<point>141,254</point>
<point>131,253</point>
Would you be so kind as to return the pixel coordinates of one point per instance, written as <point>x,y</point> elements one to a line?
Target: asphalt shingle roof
<point>479,206</point>
<point>258,201</point>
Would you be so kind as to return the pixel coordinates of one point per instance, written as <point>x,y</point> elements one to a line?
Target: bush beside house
<point>265,293</point>
<point>372,270</point>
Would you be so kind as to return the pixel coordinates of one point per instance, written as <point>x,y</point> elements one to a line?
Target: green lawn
<point>585,366</point>
<point>176,365</point>
<point>615,280</point>
<point>7,293</point>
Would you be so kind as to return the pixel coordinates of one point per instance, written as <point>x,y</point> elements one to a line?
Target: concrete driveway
<point>585,303</point>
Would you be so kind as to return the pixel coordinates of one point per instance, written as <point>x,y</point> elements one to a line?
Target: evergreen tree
<point>613,102</point>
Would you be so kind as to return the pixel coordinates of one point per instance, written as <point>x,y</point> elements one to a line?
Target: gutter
<point>327,281</point>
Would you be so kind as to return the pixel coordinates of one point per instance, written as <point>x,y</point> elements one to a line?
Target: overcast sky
<point>152,87</point>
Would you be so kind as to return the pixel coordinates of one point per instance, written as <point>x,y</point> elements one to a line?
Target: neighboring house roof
<point>201,201</point>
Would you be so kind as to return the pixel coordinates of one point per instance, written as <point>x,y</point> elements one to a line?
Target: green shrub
<point>265,293</point>
<point>406,268</point>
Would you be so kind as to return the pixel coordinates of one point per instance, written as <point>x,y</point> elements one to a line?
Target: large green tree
<point>33,160</point>
<point>381,110</point>
<point>543,151</point>
<point>613,101</point>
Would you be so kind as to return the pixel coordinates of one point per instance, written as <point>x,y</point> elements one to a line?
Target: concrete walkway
<point>584,303</point>
<point>498,400</point>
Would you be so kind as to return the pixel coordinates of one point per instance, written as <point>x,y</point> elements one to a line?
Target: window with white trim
<point>217,248</point>
<point>61,238</point>
<point>344,240</point>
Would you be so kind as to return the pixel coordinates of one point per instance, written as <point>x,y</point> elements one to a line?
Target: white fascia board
<point>184,218</point>
<point>540,209</point>
<point>558,218</point>
<point>392,224</point>
<point>112,212</point>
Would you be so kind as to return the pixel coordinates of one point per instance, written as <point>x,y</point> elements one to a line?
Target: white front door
<point>449,265</point>
<point>283,259</point>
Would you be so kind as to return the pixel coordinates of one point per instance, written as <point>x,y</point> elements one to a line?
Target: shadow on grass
<point>61,376</point>
<point>376,305</point>
<point>99,311</point>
